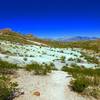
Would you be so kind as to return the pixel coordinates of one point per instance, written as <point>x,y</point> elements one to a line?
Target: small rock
<point>37,93</point>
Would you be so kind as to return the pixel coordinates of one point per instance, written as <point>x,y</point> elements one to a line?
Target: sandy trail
<point>51,87</point>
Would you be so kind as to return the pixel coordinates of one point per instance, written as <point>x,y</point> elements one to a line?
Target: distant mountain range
<point>77,38</point>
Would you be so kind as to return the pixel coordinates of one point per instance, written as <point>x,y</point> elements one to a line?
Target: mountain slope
<point>9,35</point>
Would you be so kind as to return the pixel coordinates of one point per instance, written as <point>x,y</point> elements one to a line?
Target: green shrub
<point>52,66</point>
<point>64,68</point>
<point>78,60</point>
<point>6,67</point>
<point>31,55</point>
<point>90,59</point>
<point>79,84</point>
<point>61,51</point>
<point>25,59</point>
<point>76,70</point>
<point>6,88</point>
<point>71,59</point>
<point>84,78</point>
<point>62,58</point>
<point>39,69</point>
<point>6,52</point>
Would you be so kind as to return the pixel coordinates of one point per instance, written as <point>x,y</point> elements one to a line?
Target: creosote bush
<point>7,88</point>
<point>83,79</point>
<point>7,68</point>
<point>62,58</point>
<point>40,69</point>
<point>25,59</point>
<point>79,84</point>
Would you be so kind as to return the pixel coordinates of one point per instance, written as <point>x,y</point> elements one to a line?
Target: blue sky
<point>51,18</point>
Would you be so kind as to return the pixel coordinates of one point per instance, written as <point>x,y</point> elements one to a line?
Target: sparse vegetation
<point>71,59</point>
<point>79,84</point>
<point>7,68</point>
<point>63,59</point>
<point>90,59</point>
<point>25,59</point>
<point>84,78</point>
<point>7,88</point>
<point>39,69</point>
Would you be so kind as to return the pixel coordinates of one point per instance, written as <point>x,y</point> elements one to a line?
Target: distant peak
<point>78,38</point>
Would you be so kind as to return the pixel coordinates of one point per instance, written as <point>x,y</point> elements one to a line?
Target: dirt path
<point>51,87</point>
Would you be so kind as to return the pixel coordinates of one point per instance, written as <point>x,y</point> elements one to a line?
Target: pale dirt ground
<point>51,87</point>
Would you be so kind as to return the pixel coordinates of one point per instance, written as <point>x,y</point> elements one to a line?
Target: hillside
<point>9,35</point>
<point>89,44</point>
<point>34,68</point>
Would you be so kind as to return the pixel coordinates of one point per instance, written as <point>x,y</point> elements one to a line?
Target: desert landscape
<point>41,71</point>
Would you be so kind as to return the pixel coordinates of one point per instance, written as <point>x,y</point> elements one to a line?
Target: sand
<point>54,86</point>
